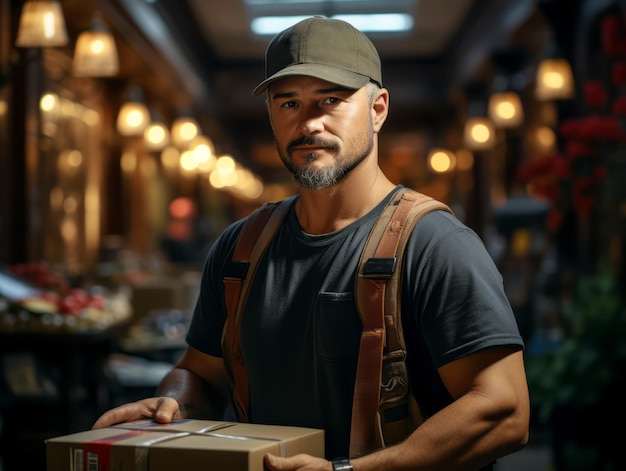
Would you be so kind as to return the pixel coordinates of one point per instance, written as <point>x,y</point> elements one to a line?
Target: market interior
<point>513,112</point>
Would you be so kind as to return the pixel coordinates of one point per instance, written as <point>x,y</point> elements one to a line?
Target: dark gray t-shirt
<point>301,330</point>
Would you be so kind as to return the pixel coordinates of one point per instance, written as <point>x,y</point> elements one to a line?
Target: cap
<point>328,49</point>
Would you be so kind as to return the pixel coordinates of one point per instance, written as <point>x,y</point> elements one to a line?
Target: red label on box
<point>97,453</point>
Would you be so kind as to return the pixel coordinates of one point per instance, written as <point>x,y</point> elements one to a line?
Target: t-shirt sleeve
<point>205,330</point>
<point>457,293</point>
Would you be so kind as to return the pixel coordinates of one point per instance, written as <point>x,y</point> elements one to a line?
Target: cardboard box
<point>190,445</point>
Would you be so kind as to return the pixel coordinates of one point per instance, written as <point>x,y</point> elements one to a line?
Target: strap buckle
<point>380,267</point>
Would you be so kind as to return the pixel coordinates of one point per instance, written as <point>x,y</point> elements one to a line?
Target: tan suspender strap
<point>378,299</point>
<point>255,236</point>
<point>370,302</point>
<point>422,204</point>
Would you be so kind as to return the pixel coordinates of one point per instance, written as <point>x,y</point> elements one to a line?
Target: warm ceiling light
<point>157,136</point>
<point>95,54</point>
<point>50,106</point>
<point>134,116</point>
<point>41,25</point>
<point>132,119</point>
<point>203,148</point>
<point>441,160</point>
<point>554,80</point>
<point>505,110</point>
<point>479,134</point>
<point>184,130</point>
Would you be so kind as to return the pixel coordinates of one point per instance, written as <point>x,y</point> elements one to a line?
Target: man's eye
<point>332,100</point>
<point>289,104</point>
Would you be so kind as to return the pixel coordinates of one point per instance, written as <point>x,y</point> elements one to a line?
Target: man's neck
<point>331,209</point>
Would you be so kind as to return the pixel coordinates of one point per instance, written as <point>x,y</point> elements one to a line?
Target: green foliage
<point>580,372</point>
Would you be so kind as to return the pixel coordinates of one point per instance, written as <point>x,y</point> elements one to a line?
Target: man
<point>300,330</point>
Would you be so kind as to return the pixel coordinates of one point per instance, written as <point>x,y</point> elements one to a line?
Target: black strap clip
<point>380,267</point>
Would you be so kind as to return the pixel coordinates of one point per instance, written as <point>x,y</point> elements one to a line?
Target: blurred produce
<point>38,298</point>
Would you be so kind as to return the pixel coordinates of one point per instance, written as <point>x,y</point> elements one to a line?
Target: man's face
<point>322,131</point>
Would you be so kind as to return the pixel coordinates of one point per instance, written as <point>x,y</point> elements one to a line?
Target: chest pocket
<point>337,327</point>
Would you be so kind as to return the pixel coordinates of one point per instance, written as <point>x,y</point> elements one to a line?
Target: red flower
<point>601,127</point>
<point>544,188</point>
<point>571,128</point>
<point>554,220</point>
<point>594,94</point>
<point>620,48</point>
<point>612,128</point>
<point>610,34</point>
<point>577,149</point>
<point>618,73</point>
<point>619,106</point>
<point>561,167</point>
<point>609,27</point>
<point>534,168</point>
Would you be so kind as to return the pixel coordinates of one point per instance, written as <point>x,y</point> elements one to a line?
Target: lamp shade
<point>479,134</point>
<point>41,24</point>
<point>95,54</point>
<point>554,80</point>
<point>505,110</point>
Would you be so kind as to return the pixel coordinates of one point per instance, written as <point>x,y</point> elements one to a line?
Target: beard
<point>312,178</point>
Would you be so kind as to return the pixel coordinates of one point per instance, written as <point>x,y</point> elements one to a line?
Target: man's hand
<point>301,462</point>
<point>161,409</point>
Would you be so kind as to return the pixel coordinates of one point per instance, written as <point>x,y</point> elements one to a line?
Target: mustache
<point>311,141</point>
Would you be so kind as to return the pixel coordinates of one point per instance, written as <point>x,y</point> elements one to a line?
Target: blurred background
<point>129,139</point>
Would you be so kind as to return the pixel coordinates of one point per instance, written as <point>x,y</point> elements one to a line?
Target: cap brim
<point>342,77</point>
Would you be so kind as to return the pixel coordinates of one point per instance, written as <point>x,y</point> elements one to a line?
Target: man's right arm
<point>196,388</point>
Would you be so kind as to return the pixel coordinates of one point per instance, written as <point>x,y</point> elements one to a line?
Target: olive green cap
<point>324,48</point>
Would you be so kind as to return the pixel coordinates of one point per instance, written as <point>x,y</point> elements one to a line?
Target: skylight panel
<point>269,17</point>
<point>376,22</point>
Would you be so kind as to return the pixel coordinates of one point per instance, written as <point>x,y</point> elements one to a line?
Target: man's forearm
<point>196,399</point>
<point>459,437</point>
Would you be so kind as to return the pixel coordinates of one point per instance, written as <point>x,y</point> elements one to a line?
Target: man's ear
<point>380,109</point>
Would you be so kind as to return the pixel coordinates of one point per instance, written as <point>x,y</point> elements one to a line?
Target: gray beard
<point>318,179</point>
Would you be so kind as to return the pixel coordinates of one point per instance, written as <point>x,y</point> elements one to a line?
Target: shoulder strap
<point>255,236</point>
<point>381,378</point>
